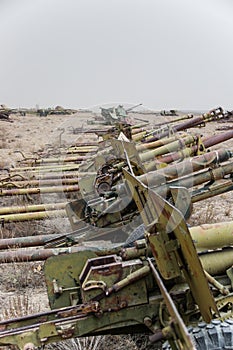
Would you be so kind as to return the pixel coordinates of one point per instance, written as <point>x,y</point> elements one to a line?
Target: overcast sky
<point>79,53</point>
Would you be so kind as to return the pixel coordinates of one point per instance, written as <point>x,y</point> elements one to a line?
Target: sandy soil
<point>32,134</point>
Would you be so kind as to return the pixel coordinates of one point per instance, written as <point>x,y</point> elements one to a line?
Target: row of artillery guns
<point>6,112</point>
<point>130,263</point>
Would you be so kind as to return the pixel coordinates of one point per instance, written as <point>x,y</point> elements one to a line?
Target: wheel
<point>216,335</point>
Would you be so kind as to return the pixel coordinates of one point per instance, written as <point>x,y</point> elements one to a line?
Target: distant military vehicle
<point>58,110</point>
<point>171,112</point>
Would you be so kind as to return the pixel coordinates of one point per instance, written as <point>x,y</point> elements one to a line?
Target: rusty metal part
<point>29,241</point>
<point>222,289</point>
<point>166,220</point>
<point>34,254</point>
<point>215,263</point>
<point>180,329</point>
<point>131,278</point>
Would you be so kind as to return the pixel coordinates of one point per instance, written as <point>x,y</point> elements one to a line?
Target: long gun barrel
<point>190,151</point>
<point>131,108</point>
<point>212,115</point>
<point>205,237</point>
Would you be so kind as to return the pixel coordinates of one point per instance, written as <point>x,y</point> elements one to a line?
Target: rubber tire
<point>216,335</point>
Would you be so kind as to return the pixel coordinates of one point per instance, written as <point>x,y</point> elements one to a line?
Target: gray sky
<point>79,53</point>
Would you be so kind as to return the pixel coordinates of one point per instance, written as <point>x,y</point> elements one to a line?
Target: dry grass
<point>114,342</point>
<point>85,343</point>
<point>212,210</point>
<point>18,306</point>
<point>204,215</point>
<point>20,276</point>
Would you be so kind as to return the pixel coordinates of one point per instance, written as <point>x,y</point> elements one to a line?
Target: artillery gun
<point>112,115</point>
<point>164,278</point>
<point>159,285</point>
<point>5,112</point>
<point>105,208</point>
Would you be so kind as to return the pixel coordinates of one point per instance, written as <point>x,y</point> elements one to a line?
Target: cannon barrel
<point>212,236</point>
<point>44,177</point>
<point>131,108</point>
<point>30,208</point>
<point>212,115</point>
<point>38,190</point>
<point>157,177</point>
<point>47,168</point>
<point>62,158</point>
<point>204,176</point>
<point>34,215</point>
<point>43,182</point>
<point>188,152</point>
<point>27,241</point>
<point>168,148</point>
<point>183,117</point>
<point>206,237</point>
<point>145,146</point>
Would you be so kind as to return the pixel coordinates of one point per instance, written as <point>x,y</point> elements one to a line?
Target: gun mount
<point>108,203</point>
<point>113,114</point>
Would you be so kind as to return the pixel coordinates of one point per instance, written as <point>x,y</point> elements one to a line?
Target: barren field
<point>22,286</point>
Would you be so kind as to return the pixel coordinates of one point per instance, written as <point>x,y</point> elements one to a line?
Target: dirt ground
<point>35,137</point>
